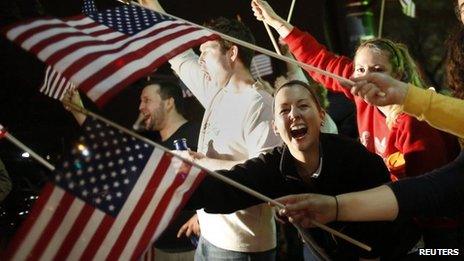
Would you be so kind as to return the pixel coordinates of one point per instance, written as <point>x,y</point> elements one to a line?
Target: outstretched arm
<point>370,205</point>
<point>440,111</point>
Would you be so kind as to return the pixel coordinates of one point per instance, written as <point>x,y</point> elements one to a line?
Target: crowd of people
<point>399,188</point>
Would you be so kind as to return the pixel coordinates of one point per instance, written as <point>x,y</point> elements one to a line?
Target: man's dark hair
<point>168,89</point>
<point>237,30</point>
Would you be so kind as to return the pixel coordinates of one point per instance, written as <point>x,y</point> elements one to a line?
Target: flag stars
<point>79,172</point>
<point>100,166</point>
<point>123,171</point>
<point>118,194</point>
<point>95,190</point>
<point>57,178</point>
<point>103,177</point>
<point>116,184</point>
<point>82,182</point>
<point>105,144</point>
<point>85,193</point>
<point>115,142</point>
<point>111,207</point>
<point>106,187</point>
<point>120,161</point>
<point>93,180</point>
<point>126,181</point>
<point>107,154</point>
<point>90,169</point>
<point>128,149</point>
<point>97,156</point>
<point>113,174</point>
<point>71,185</point>
<point>110,164</point>
<point>134,168</point>
<point>98,200</point>
<point>68,175</point>
<point>131,158</point>
<point>108,197</point>
<point>140,156</point>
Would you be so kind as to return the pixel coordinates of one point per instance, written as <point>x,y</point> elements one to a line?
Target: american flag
<point>261,65</point>
<point>2,131</point>
<point>110,200</point>
<point>103,52</point>
<point>409,7</point>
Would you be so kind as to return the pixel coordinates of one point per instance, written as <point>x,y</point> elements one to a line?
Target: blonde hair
<point>402,64</point>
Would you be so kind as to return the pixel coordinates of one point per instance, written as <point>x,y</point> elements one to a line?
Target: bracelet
<point>336,208</point>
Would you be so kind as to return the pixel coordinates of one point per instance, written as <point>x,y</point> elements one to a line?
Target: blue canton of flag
<point>111,199</point>
<point>104,167</point>
<point>89,7</point>
<point>126,19</point>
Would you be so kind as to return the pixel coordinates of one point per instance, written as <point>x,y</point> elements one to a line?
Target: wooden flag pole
<point>382,12</point>
<point>290,12</point>
<point>271,36</point>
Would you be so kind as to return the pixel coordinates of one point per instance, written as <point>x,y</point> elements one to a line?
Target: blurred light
<point>83,149</point>
<point>25,155</point>
<point>48,157</point>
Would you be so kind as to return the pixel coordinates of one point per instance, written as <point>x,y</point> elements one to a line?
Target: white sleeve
<point>187,68</point>
<point>329,125</point>
<point>258,131</point>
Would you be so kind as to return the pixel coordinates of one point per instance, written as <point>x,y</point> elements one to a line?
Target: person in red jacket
<point>408,146</point>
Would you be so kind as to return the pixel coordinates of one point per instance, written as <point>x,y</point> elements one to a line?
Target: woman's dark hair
<point>311,90</point>
<point>455,62</point>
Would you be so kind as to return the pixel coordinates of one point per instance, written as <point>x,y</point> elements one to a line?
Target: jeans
<point>209,252</point>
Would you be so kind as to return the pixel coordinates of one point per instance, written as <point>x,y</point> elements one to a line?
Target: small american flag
<point>409,8</point>
<point>111,199</point>
<point>2,131</point>
<point>103,52</point>
<point>261,65</point>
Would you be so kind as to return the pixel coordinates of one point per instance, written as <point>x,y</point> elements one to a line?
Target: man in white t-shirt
<point>236,126</point>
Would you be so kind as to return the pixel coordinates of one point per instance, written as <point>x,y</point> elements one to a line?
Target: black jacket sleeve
<point>216,196</point>
<point>437,193</point>
<point>5,182</point>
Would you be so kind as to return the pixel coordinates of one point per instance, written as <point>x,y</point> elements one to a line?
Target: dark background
<point>43,125</point>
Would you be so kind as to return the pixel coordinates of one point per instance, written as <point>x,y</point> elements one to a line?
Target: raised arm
<point>186,66</point>
<point>307,49</point>
<point>440,111</point>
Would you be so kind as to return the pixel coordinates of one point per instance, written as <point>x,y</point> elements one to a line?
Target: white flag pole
<point>23,147</point>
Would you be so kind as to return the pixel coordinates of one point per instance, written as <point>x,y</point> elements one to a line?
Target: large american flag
<point>110,199</point>
<point>103,52</point>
